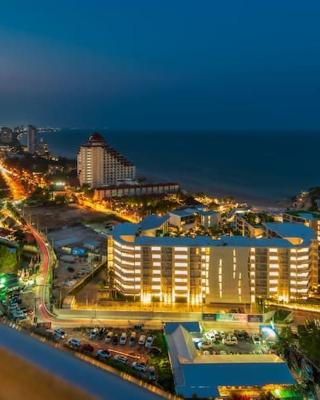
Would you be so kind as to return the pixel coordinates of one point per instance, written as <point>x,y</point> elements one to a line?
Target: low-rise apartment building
<point>134,189</point>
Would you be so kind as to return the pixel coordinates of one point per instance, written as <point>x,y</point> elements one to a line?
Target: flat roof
<point>184,212</point>
<point>284,230</point>
<point>190,326</point>
<point>153,222</point>
<point>237,359</point>
<point>291,230</point>
<point>311,215</point>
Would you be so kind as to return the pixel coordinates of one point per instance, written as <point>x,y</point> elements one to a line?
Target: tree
<point>8,260</point>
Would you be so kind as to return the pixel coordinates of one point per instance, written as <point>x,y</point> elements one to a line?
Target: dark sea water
<point>264,168</point>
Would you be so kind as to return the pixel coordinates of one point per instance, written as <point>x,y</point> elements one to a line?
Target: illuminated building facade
<point>98,164</point>
<point>200,270</point>
<point>31,139</point>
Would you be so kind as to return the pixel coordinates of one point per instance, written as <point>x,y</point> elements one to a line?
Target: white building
<point>233,270</point>
<point>98,164</point>
<point>209,219</point>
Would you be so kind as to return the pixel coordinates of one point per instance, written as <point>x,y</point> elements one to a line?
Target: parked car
<point>256,339</point>
<point>142,340</point>
<point>211,335</point>
<point>60,333</point>
<point>115,339</point>
<point>18,314</point>
<point>93,333</point>
<point>121,358</point>
<point>138,327</point>
<point>101,333</point>
<point>152,373</point>
<point>149,342</point>
<point>103,355</point>
<point>123,338</point>
<point>133,338</point>
<point>141,367</point>
<point>205,345</point>
<point>109,337</point>
<point>87,348</point>
<point>230,340</point>
<point>74,343</point>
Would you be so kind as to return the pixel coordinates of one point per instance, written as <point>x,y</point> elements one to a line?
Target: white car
<point>256,339</point>
<point>230,340</point>
<point>120,358</point>
<point>123,338</point>
<point>149,342</point>
<point>211,335</point>
<point>108,337</point>
<point>74,343</point>
<point>103,354</point>
<point>139,366</point>
<point>142,340</point>
<point>205,345</point>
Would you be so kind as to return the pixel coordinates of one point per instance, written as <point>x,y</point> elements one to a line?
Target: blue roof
<point>291,230</point>
<point>284,230</point>
<point>184,212</point>
<point>153,222</point>
<point>207,213</point>
<point>170,327</point>
<point>304,214</point>
<point>204,379</point>
<point>196,374</point>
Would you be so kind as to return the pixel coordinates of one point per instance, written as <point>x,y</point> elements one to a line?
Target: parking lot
<point>133,351</point>
<point>232,342</point>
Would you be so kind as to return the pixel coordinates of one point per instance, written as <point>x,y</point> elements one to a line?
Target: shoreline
<point>201,173</point>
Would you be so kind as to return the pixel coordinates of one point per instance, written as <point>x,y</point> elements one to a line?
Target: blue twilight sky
<point>161,64</point>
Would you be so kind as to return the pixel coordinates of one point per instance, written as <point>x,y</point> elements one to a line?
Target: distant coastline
<point>264,168</point>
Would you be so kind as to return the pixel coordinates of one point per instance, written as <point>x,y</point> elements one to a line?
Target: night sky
<point>161,64</point>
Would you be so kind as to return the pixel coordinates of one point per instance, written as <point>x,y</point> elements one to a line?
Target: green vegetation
<point>8,260</point>
<point>255,219</point>
<point>309,340</point>
<point>145,205</point>
<point>162,364</point>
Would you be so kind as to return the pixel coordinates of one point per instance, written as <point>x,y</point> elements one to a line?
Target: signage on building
<point>208,317</point>
<point>255,318</point>
<point>232,317</point>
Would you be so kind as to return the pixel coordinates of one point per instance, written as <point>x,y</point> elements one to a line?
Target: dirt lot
<point>52,217</point>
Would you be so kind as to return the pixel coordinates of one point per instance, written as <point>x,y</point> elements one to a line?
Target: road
<point>42,294</point>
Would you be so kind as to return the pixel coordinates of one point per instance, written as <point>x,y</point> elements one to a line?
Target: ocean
<point>263,168</point>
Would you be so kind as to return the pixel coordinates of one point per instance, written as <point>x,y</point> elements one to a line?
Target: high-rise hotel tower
<point>99,165</point>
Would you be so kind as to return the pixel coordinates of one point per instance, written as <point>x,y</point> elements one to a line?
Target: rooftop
<point>183,212</point>
<point>309,215</point>
<point>291,230</point>
<point>153,222</point>
<point>286,231</point>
